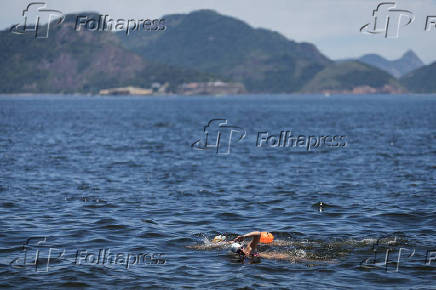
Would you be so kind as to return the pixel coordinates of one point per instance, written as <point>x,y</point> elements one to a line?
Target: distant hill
<point>265,61</point>
<point>398,68</point>
<point>421,80</point>
<point>352,76</point>
<point>196,47</point>
<point>71,62</point>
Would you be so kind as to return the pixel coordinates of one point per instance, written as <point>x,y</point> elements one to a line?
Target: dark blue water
<point>89,173</point>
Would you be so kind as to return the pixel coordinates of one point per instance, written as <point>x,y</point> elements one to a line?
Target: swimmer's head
<point>236,247</point>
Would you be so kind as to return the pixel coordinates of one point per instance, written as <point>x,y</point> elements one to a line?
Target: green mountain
<point>351,75</point>
<point>196,47</point>
<point>265,61</point>
<point>399,67</point>
<point>421,80</point>
<point>69,61</point>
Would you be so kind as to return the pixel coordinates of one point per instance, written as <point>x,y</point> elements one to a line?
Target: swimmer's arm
<point>254,242</point>
<point>255,235</point>
<point>278,256</point>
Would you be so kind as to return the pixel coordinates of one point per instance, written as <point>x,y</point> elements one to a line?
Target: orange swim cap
<point>266,237</point>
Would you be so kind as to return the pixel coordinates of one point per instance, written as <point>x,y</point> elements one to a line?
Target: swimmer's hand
<point>238,239</point>
<point>254,235</point>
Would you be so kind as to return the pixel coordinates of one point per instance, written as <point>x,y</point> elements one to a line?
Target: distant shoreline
<point>201,95</point>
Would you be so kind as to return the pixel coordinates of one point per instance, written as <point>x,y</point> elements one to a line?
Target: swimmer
<point>275,251</point>
<point>249,251</point>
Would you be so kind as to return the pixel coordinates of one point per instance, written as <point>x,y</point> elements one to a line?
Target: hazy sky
<point>333,25</point>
